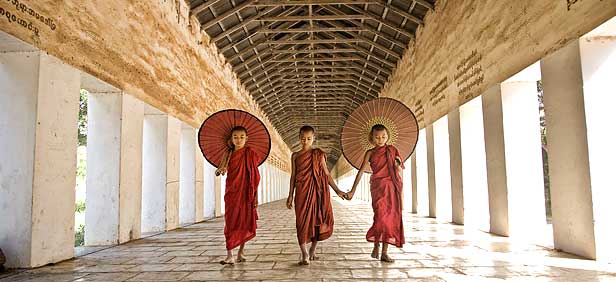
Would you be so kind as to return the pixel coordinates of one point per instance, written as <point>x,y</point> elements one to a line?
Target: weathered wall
<point>466,46</point>
<point>150,49</point>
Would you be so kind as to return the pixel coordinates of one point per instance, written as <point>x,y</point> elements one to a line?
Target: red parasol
<point>397,117</point>
<point>216,129</point>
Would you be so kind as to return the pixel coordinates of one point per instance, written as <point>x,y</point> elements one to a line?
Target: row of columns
<point>145,172</point>
<point>481,165</point>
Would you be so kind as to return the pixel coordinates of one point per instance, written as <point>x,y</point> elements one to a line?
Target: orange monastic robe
<point>240,194</point>
<point>385,189</point>
<point>314,218</point>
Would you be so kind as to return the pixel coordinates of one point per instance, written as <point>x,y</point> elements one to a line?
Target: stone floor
<point>434,252</point>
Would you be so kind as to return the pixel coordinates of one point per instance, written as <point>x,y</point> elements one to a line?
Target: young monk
<point>241,166</point>
<point>314,218</point>
<point>386,192</point>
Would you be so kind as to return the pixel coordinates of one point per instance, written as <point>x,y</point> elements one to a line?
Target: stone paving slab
<point>434,252</point>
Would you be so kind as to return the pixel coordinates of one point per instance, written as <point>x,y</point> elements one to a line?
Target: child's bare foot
<point>303,260</point>
<point>241,258</point>
<point>228,260</point>
<point>386,258</point>
<point>313,251</point>
<point>375,252</point>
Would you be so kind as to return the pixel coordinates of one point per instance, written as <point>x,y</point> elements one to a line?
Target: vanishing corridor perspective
<point>102,177</point>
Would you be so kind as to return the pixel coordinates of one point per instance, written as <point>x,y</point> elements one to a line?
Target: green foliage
<point>80,207</point>
<point>79,233</point>
<point>82,125</point>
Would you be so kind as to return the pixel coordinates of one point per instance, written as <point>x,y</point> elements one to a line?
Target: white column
<point>209,190</point>
<point>414,203</point>
<point>199,183</point>
<point>442,171</point>
<point>131,168</point>
<point>598,55</point>
<point>577,81</point>
<point>154,170</point>
<point>260,187</point>
<point>430,169</point>
<point>455,157</point>
<point>421,153</point>
<point>523,156</point>
<point>475,183</point>
<point>39,100</point>
<point>172,211</point>
<point>187,175</point>
<point>495,161</point>
<point>218,193</point>
<point>103,163</point>
<point>223,187</point>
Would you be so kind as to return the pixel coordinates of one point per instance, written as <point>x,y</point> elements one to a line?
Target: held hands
<point>221,171</point>
<point>349,195</point>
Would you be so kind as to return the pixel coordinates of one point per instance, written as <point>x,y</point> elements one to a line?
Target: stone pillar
<point>414,182</point>
<point>103,174</point>
<point>455,157</point>
<point>577,81</point>
<point>515,165</point>
<point>218,192</point>
<point>199,183</point>
<point>39,102</point>
<point>209,190</point>
<point>172,210</point>
<point>421,153</point>
<point>160,171</point>
<point>223,186</point>
<point>187,175</point>
<point>598,59</point>
<point>154,170</point>
<point>131,156</point>
<point>475,183</point>
<point>442,171</point>
<point>260,187</point>
<point>430,169</point>
<point>495,161</point>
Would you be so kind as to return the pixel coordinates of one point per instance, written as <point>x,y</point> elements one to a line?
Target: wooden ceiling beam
<point>314,18</point>
<point>372,16</point>
<point>261,3</point>
<point>226,14</point>
<point>242,24</point>
<point>202,7</point>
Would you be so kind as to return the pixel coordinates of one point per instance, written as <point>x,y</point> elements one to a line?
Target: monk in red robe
<point>314,218</point>
<point>241,165</point>
<point>386,192</point>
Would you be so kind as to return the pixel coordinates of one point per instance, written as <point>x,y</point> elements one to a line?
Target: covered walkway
<point>434,252</point>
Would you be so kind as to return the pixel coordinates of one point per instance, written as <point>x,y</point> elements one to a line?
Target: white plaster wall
<point>103,163</point>
<point>172,206</point>
<point>187,175</point>
<point>407,185</point>
<point>131,162</point>
<point>476,211</point>
<point>53,189</point>
<point>260,187</point>
<point>414,181</point>
<point>18,101</point>
<point>154,171</point>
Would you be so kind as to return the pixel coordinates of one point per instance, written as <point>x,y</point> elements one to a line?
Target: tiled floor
<point>434,252</point>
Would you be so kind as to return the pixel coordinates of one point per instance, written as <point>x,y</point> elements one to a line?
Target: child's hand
<point>349,195</point>
<point>341,194</point>
<point>221,171</point>
<point>255,204</point>
<point>289,202</point>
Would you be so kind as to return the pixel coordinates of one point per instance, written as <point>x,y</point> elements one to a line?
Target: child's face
<point>380,137</point>
<point>306,139</point>
<point>239,138</point>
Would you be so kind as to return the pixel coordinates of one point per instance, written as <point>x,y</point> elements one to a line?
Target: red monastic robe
<point>240,194</point>
<point>386,188</point>
<point>314,218</point>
